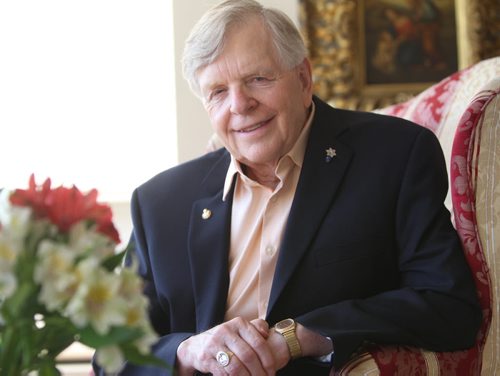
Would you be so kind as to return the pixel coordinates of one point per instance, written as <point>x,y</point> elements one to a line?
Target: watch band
<point>293,344</point>
<point>287,329</point>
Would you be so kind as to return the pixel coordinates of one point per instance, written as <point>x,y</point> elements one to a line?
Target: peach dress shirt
<point>259,216</point>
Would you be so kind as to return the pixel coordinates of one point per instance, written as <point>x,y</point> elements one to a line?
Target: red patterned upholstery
<point>438,108</point>
<point>428,108</point>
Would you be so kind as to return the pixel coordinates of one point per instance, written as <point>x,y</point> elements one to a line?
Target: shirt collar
<point>296,154</point>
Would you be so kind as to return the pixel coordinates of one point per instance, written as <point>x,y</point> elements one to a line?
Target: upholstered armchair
<point>463,110</point>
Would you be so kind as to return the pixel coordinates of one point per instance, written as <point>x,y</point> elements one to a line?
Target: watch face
<point>283,324</point>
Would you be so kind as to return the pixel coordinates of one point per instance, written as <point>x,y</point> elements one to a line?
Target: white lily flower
<point>14,219</point>
<point>148,339</point>
<point>82,239</point>
<point>8,284</point>
<point>131,291</point>
<point>8,256</point>
<point>8,252</point>
<point>110,358</point>
<point>96,302</point>
<point>56,274</point>
<point>131,285</point>
<point>5,205</point>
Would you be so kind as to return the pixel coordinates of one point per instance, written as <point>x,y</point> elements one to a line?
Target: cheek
<point>219,119</point>
<point>215,114</point>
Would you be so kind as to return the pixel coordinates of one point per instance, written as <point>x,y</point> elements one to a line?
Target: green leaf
<point>112,262</point>
<point>13,306</point>
<point>26,342</point>
<point>9,352</point>
<point>57,334</point>
<point>133,355</point>
<point>116,335</point>
<point>130,251</point>
<point>49,369</point>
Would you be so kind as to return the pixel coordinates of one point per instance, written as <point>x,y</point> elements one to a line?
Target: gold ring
<point>224,357</point>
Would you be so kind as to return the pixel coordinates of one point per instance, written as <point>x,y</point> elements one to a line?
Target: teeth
<point>251,129</point>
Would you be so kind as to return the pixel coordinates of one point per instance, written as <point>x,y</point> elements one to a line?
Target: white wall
<point>86,93</point>
<point>193,128</point>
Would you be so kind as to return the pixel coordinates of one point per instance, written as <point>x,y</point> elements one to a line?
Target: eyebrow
<point>257,72</point>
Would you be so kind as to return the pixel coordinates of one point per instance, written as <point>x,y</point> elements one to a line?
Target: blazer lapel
<point>320,178</point>
<point>208,249</point>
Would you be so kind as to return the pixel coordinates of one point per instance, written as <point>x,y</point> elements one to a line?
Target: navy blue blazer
<point>368,255</point>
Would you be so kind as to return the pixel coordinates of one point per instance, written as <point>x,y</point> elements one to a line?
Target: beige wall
<point>193,128</point>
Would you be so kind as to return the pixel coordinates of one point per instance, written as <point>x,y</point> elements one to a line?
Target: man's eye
<point>216,94</point>
<point>260,79</point>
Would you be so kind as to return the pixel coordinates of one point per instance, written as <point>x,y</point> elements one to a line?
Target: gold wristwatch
<point>287,329</point>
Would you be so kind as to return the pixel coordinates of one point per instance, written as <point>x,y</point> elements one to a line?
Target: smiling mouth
<point>254,127</point>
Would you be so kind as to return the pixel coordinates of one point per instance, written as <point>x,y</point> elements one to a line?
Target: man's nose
<point>242,101</point>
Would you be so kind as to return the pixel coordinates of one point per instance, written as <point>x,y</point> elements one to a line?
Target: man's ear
<point>305,77</point>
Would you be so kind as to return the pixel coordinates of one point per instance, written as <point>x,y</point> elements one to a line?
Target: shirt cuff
<point>325,358</point>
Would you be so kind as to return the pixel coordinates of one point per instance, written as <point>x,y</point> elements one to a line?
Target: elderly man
<point>313,231</point>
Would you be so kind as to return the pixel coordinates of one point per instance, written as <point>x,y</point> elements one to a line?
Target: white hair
<point>206,40</point>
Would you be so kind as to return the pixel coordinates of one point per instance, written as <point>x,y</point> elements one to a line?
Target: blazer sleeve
<point>435,306</point>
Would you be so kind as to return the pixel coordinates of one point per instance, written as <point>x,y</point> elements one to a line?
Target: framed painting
<point>372,53</point>
<point>409,41</point>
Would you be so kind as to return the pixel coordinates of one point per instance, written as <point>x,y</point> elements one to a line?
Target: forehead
<point>248,49</point>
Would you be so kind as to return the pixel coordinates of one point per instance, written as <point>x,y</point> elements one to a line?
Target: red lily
<point>66,206</point>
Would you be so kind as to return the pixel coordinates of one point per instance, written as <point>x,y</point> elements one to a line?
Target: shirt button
<point>269,250</point>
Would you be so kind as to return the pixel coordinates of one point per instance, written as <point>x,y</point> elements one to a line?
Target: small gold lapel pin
<point>206,214</point>
<point>330,154</point>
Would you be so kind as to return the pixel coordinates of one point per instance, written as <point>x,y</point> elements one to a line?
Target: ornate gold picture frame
<point>335,33</point>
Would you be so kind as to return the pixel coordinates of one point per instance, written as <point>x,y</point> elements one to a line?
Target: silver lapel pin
<point>330,154</point>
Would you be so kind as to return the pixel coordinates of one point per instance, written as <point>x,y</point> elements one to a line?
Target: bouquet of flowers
<point>61,281</point>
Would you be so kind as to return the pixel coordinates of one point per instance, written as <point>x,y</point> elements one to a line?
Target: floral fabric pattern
<point>463,110</point>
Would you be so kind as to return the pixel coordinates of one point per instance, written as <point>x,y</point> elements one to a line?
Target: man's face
<point>256,107</point>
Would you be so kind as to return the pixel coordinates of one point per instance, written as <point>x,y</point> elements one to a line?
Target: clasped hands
<point>248,348</point>
<point>242,347</point>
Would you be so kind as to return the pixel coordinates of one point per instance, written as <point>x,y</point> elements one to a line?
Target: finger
<point>234,367</point>
<point>262,326</point>
<point>252,349</point>
<point>198,352</point>
<point>217,340</point>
